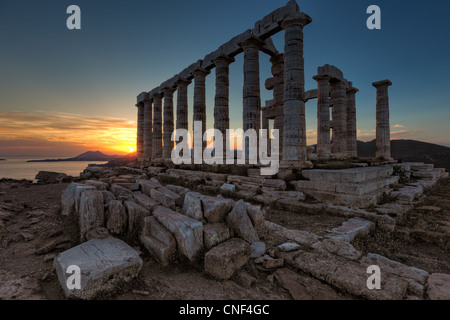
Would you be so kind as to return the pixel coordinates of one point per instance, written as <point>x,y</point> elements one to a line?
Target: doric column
<point>157,127</point>
<point>294,131</point>
<point>148,124</point>
<point>339,114</point>
<point>352,144</point>
<point>140,131</point>
<point>323,116</point>
<point>251,93</point>
<point>168,122</point>
<point>200,99</point>
<point>182,104</point>
<point>221,101</point>
<point>383,128</point>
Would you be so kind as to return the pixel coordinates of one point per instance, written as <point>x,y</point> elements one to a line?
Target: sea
<point>19,168</point>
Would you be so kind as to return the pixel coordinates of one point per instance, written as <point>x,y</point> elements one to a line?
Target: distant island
<point>87,156</point>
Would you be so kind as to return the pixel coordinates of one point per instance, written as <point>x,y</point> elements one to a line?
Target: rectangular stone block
<point>158,241</point>
<point>119,191</point>
<point>145,201</point>
<point>92,212</point>
<point>215,233</point>
<point>352,228</point>
<point>146,186</point>
<point>188,232</point>
<point>79,190</point>
<point>224,260</point>
<point>136,215</point>
<point>104,265</point>
<point>97,184</point>
<point>163,199</point>
<point>68,199</point>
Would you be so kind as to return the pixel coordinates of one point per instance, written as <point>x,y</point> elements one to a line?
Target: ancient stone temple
<point>336,98</point>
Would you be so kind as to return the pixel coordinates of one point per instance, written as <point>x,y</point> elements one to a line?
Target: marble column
<point>323,116</point>
<point>148,124</point>
<point>278,94</point>
<point>251,93</point>
<point>157,127</point>
<point>352,144</point>
<point>168,122</point>
<point>200,99</point>
<point>294,131</point>
<point>182,104</point>
<point>339,124</point>
<point>383,142</point>
<point>221,101</point>
<point>140,131</point>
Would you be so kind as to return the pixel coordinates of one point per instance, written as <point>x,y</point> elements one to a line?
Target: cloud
<point>398,126</point>
<point>49,131</point>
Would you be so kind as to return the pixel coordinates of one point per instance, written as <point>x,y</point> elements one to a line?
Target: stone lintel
<point>170,82</point>
<point>168,90</point>
<point>223,57</point>
<point>154,91</point>
<point>252,41</point>
<point>311,94</point>
<point>143,96</point>
<point>270,24</point>
<point>296,19</point>
<point>187,72</point>
<point>382,83</point>
<point>331,71</point>
<point>182,81</point>
<point>200,71</point>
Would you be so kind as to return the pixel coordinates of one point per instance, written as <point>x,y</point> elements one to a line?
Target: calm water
<point>18,168</point>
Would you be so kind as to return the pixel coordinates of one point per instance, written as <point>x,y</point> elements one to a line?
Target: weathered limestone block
<point>116,217</point>
<point>97,184</point>
<point>352,228</point>
<point>288,247</point>
<point>193,205</point>
<point>187,231</point>
<point>79,190</point>
<point>224,260</point>
<point>104,265</point>
<point>274,183</point>
<point>147,185</point>
<point>136,216</point>
<point>91,211</point>
<point>158,241</point>
<point>108,196</point>
<point>145,201</point>
<point>181,191</point>
<point>163,199</point>
<point>350,276</point>
<point>256,215</point>
<point>215,233</point>
<point>338,247</point>
<point>215,209</point>
<point>228,187</point>
<point>169,193</point>
<point>98,233</point>
<point>240,222</point>
<point>68,199</point>
<point>257,249</point>
<point>121,192</point>
<point>303,238</point>
<point>438,287</point>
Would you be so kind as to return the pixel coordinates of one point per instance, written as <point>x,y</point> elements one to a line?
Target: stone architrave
<point>294,131</point>
<point>221,101</point>
<point>383,134</point>
<point>323,116</point>
<point>168,122</point>
<point>157,126</point>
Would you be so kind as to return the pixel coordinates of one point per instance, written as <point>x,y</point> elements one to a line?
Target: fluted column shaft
<point>200,99</point>
<point>148,124</point>
<point>182,104</point>
<point>140,131</point>
<point>339,114</point>
<point>323,117</point>
<point>294,131</point>
<point>352,144</point>
<point>221,101</point>
<point>157,127</point>
<point>383,137</point>
<point>168,123</point>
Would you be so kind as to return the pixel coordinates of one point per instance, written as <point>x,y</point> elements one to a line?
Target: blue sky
<point>126,47</point>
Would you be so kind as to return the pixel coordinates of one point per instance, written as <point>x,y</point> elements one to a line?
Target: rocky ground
<point>33,232</point>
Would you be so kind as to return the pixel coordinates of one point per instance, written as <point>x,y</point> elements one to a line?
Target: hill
<point>87,156</point>
<point>411,150</point>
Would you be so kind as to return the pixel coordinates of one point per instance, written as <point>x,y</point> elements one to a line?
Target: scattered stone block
<point>352,228</point>
<point>146,186</point>
<point>68,199</point>
<point>145,201</point>
<point>116,217</point>
<point>136,216</point>
<point>258,249</point>
<point>187,231</point>
<point>163,199</point>
<point>239,221</point>
<point>228,187</point>
<point>338,247</point>
<point>245,280</point>
<point>215,209</point>
<point>158,241</point>
<point>91,211</point>
<point>224,260</point>
<point>79,190</point>
<point>108,196</point>
<point>256,215</point>
<point>215,233</point>
<point>99,185</point>
<point>169,193</point>
<point>193,205</point>
<point>121,192</point>
<point>273,263</point>
<point>104,265</point>
<point>438,287</point>
<point>181,191</point>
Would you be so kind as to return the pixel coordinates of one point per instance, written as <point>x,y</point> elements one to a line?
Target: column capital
<point>199,71</point>
<point>182,81</point>
<point>352,90</point>
<point>383,83</point>
<point>157,95</point>
<point>296,19</point>
<point>139,105</point>
<point>252,42</point>
<point>168,91</point>
<point>322,77</point>
<point>223,58</point>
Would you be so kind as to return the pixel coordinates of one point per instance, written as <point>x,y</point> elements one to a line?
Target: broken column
<point>339,123</point>
<point>383,144</point>
<point>323,116</point>
<point>352,145</point>
<point>157,127</point>
<point>140,131</point>
<point>148,119</point>
<point>200,99</point>
<point>182,103</point>
<point>251,93</point>
<point>168,122</point>
<point>294,131</point>
<point>221,101</point>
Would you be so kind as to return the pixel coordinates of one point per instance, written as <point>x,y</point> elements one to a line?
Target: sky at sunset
<point>63,92</point>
